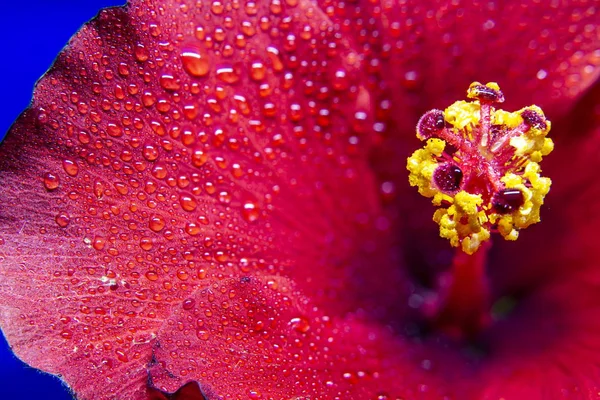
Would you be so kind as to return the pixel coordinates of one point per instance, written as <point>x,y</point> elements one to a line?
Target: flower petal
<point>427,52</point>
<point>164,153</point>
<point>257,338</point>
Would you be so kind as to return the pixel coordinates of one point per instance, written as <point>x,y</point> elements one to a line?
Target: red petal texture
<point>215,193</point>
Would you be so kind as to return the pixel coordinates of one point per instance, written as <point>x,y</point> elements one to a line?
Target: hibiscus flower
<point>210,199</point>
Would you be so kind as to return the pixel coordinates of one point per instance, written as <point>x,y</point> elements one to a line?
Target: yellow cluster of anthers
<point>480,167</point>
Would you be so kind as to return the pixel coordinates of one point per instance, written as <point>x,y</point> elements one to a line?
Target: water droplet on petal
<point>70,167</point>
<point>157,223</point>
<point>51,181</point>
<point>188,202</point>
<point>188,304</point>
<point>250,211</point>
<point>152,275</point>
<point>66,334</point>
<point>62,220</point>
<point>300,324</point>
<point>194,63</point>
<point>121,356</point>
<point>169,82</point>
<point>228,74</point>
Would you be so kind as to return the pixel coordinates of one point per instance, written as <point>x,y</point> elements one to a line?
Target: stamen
<point>480,166</point>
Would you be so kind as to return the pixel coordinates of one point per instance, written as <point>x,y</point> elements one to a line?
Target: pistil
<point>480,166</point>
<point>464,303</point>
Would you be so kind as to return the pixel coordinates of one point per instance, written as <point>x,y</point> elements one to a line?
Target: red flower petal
<point>192,191</point>
<point>160,158</point>
<point>257,338</point>
<point>428,52</point>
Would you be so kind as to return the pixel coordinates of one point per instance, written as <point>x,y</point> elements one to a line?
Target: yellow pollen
<point>480,166</point>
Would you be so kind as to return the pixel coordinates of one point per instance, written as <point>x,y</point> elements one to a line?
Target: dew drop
<point>227,74</point>
<point>157,223</point>
<point>146,243</point>
<point>98,243</point>
<point>51,181</point>
<point>169,82</point>
<point>192,229</point>
<point>152,276</point>
<point>70,167</point>
<point>188,202</point>
<point>66,334</point>
<point>121,356</point>
<point>199,158</point>
<point>188,304</point>
<point>300,324</point>
<point>202,334</point>
<point>182,275</point>
<point>62,220</point>
<point>340,80</point>
<point>250,211</point>
<point>150,152</point>
<point>114,130</point>
<point>194,63</point>
<point>258,71</point>
<point>224,197</point>
<point>508,200</point>
<point>141,54</point>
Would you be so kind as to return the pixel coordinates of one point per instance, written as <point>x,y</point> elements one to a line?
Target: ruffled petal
<point>427,52</point>
<point>172,146</point>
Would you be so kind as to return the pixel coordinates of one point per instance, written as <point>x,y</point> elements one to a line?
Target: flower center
<point>480,166</point>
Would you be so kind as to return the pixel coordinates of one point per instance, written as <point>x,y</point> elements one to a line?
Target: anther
<point>430,123</point>
<point>508,200</point>
<point>448,177</point>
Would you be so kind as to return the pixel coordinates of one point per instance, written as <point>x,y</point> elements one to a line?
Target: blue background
<point>34,32</point>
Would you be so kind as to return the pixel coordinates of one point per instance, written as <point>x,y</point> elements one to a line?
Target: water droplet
<point>258,71</point>
<point>194,63</point>
<point>66,334</point>
<point>192,229</point>
<point>114,130</point>
<point>228,74</point>
<point>188,202</point>
<point>62,220</point>
<point>276,62</point>
<point>98,243</point>
<point>340,80</point>
<point>51,181</point>
<point>188,304</point>
<point>121,356</point>
<point>182,275</point>
<point>199,158</point>
<point>152,276</point>
<point>169,82</point>
<point>70,167</point>
<point>141,54</point>
<point>224,197</point>
<point>157,223</point>
<point>150,152</point>
<point>202,334</point>
<point>146,243</point>
<point>300,324</point>
<point>250,211</point>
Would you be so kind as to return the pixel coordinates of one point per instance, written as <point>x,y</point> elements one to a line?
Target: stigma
<point>480,165</point>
